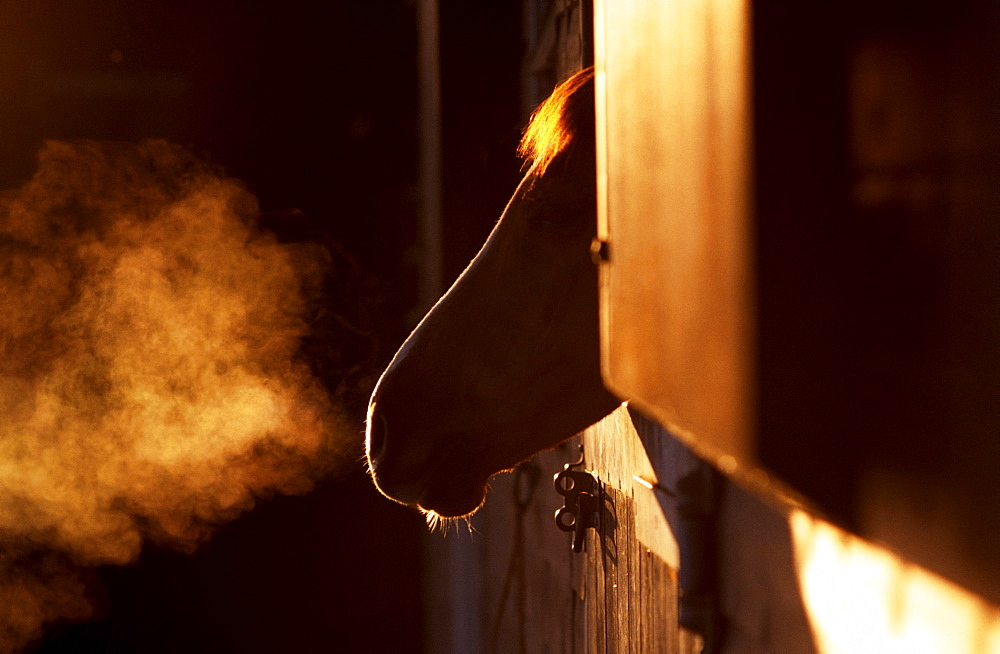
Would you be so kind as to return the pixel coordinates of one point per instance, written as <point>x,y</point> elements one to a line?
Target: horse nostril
<point>376,433</point>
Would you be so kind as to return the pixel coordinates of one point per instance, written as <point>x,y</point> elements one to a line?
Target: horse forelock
<point>562,123</point>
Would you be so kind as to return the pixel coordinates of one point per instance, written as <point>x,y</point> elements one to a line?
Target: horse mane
<point>563,123</point>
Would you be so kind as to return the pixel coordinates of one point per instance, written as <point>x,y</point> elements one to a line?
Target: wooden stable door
<point>800,212</point>
<point>799,209</point>
<point>674,177</point>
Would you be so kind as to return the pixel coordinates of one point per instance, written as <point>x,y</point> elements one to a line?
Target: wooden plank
<point>768,552</point>
<point>532,591</point>
<point>637,605</point>
<point>673,179</point>
<point>757,601</point>
<point>840,329</point>
<point>620,595</point>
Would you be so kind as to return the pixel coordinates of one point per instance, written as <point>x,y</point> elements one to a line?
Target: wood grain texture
<point>673,182</point>
<point>622,594</point>
<point>632,562</point>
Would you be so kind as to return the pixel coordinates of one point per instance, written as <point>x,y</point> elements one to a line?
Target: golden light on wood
<point>673,179</point>
<point>861,598</point>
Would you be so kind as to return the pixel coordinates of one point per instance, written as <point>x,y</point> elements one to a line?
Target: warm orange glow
<point>862,598</point>
<point>674,188</point>
<point>149,385</point>
<point>563,119</point>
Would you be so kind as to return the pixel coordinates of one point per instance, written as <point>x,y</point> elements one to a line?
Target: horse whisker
<point>438,522</point>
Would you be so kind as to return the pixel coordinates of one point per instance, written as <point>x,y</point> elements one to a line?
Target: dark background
<point>314,106</point>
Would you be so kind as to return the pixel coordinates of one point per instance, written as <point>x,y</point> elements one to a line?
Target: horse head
<point>507,363</point>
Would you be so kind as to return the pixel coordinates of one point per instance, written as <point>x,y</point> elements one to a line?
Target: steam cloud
<point>149,385</point>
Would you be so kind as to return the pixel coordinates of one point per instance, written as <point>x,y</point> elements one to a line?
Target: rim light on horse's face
<point>430,480</point>
<point>507,363</point>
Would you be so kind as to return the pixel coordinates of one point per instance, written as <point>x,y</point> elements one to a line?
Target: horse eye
<point>563,220</point>
<point>550,216</point>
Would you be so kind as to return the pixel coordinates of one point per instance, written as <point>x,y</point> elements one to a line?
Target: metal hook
<point>582,505</point>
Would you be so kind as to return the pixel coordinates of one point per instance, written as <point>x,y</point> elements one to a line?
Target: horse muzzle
<point>417,475</point>
<point>400,479</point>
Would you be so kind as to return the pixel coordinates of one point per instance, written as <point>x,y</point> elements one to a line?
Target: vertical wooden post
<point>451,570</point>
<point>429,71</point>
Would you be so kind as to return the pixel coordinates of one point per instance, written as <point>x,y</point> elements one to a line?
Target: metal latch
<point>581,491</point>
